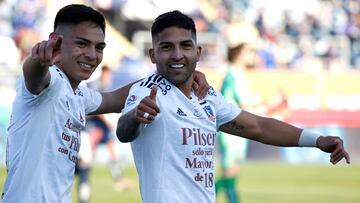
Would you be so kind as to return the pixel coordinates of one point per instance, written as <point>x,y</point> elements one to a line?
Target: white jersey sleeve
<point>92,99</point>
<point>225,111</point>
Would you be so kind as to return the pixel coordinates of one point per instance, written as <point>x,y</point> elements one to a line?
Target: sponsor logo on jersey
<point>131,100</point>
<point>180,112</point>
<point>209,112</point>
<point>197,112</point>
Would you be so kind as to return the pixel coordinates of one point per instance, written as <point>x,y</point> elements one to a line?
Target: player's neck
<point>186,87</point>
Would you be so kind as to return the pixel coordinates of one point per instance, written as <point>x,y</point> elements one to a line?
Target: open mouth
<point>177,66</point>
<point>86,66</point>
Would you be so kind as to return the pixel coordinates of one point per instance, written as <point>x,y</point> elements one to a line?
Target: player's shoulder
<point>213,97</point>
<point>57,73</point>
<point>163,85</point>
<point>153,79</point>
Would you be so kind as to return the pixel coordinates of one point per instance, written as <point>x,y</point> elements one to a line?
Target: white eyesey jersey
<point>44,140</point>
<point>174,154</point>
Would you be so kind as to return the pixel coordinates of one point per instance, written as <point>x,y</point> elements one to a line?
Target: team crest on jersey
<point>131,100</point>
<point>209,112</point>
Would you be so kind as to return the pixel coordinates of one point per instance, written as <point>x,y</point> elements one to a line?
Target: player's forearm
<point>278,133</point>
<point>265,130</point>
<point>114,101</point>
<point>37,76</point>
<point>127,128</point>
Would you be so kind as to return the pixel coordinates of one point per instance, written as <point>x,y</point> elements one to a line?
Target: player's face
<point>81,51</point>
<point>175,54</point>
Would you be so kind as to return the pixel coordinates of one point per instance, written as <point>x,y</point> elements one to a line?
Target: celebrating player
<point>173,132</point>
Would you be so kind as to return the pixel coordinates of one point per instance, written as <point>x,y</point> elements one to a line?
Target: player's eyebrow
<point>88,41</point>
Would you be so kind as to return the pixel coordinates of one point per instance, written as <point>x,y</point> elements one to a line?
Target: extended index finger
<point>53,46</point>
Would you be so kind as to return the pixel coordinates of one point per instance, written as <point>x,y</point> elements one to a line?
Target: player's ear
<point>152,55</point>
<point>198,53</point>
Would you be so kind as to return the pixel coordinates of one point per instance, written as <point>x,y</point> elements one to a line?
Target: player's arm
<point>36,67</point>
<point>114,101</point>
<point>130,124</point>
<point>274,132</point>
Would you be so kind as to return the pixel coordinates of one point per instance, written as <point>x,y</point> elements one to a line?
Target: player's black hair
<point>173,19</point>
<point>74,14</point>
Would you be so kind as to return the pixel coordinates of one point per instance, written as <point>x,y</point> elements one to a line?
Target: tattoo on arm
<point>233,128</point>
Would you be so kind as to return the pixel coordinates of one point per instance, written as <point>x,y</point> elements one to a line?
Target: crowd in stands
<point>307,35</point>
<point>286,34</point>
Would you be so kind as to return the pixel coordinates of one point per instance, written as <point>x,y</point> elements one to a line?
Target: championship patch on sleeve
<point>131,100</point>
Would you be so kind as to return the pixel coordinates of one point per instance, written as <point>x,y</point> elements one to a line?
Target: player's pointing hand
<point>47,51</point>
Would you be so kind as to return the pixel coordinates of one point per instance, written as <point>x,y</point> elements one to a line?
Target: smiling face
<point>81,50</point>
<point>175,54</point>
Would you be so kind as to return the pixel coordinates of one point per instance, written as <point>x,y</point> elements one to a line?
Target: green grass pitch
<point>259,182</point>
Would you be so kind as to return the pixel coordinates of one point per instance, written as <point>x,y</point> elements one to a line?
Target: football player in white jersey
<point>173,133</point>
<point>50,108</point>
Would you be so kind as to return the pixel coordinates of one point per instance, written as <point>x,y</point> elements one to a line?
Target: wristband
<point>308,138</point>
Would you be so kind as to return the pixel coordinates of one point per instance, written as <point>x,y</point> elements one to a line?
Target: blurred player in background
<point>232,149</point>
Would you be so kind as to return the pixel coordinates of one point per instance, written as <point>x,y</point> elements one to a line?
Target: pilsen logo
<point>209,112</point>
<point>198,137</point>
<point>131,100</point>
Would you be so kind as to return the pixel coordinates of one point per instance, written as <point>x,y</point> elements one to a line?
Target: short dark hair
<point>172,19</point>
<point>74,14</point>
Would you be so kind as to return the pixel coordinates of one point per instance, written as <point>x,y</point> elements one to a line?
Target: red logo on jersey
<point>131,100</point>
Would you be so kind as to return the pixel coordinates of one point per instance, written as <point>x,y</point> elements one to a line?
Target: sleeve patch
<point>131,100</point>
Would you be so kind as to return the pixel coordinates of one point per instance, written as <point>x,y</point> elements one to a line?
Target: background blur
<point>305,67</point>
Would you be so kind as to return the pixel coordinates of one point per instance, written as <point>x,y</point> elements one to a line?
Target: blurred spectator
<point>130,69</point>
<point>10,54</point>
<point>309,21</point>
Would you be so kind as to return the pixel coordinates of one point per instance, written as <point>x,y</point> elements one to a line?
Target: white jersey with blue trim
<point>174,155</point>
<point>44,140</point>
